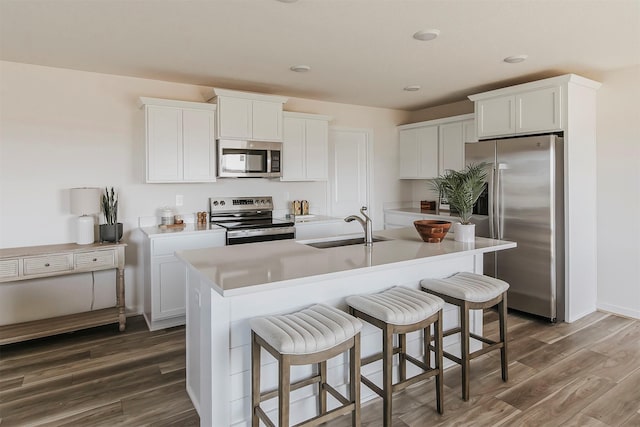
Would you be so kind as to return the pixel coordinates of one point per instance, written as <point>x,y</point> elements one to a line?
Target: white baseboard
<point>622,311</point>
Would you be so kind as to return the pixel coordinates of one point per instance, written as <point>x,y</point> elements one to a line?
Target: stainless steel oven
<point>249,219</point>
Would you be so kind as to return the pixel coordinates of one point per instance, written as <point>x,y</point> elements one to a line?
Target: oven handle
<point>234,234</point>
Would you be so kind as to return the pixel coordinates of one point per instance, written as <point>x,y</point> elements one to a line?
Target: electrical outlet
<point>179,200</point>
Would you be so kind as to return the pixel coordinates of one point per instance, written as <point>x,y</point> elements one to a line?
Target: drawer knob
<point>47,265</point>
<point>95,259</point>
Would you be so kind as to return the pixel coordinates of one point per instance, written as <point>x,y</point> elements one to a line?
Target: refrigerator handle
<point>492,211</point>
<point>499,206</point>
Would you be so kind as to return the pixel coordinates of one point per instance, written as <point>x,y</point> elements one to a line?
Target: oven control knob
<point>222,203</point>
<point>215,203</point>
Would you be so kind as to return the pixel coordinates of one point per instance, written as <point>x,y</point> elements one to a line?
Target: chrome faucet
<point>365,223</point>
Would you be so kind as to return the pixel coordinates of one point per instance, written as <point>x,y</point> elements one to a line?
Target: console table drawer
<point>48,264</point>
<point>9,268</point>
<point>97,259</point>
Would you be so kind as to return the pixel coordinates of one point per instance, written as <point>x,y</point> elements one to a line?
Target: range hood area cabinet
<point>179,141</point>
<point>527,109</point>
<point>305,149</point>
<point>429,148</point>
<point>248,116</point>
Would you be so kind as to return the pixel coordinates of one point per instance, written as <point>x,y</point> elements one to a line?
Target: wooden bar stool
<point>310,336</point>
<point>470,291</point>
<point>400,311</point>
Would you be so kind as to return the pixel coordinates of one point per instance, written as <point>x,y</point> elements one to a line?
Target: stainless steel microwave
<point>249,159</point>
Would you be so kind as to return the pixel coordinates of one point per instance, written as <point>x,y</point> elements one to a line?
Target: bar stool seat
<point>310,336</point>
<point>470,291</point>
<point>399,311</point>
<point>468,286</point>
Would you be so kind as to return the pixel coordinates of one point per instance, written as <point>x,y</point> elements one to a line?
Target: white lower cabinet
<point>165,275</point>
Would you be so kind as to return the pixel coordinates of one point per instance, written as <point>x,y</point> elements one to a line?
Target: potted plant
<point>111,231</point>
<point>462,189</point>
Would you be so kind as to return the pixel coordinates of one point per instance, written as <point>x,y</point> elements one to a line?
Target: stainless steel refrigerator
<point>524,202</point>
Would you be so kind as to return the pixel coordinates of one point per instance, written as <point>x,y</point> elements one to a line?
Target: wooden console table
<point>55,260</point>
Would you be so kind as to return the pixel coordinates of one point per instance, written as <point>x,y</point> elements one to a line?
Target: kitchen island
<point>227,286</point>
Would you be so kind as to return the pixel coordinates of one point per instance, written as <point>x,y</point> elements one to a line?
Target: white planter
<point>464,232</point>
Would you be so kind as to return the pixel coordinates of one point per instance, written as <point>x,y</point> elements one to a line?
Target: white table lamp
<point>85,202</point>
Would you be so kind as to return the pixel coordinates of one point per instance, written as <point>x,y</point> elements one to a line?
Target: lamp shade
<point>85,201</point>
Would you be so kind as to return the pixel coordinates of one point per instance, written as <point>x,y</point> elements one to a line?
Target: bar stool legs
<point>287,338</point>
<point>399,311</point>
<point>469,291</point>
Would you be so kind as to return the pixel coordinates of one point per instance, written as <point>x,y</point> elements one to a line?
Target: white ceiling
<point>361,51</point>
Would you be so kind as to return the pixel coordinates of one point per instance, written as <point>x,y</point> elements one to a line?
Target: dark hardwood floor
<point>582,374</point>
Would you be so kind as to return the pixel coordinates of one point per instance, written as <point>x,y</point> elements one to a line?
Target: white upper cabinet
<point>429,148</point>
<point>248,116</point>
<point>531,108</point>
<point>496,116</point>
<point>538,110</point>
<point>305,147</point>
<point>469,131</point>
<point>419,152</point>
<point>234,118</point>
<point>451,147</point>
<point>180,141</point>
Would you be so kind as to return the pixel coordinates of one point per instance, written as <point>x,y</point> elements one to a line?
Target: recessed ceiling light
<point>426,35</point>
<point>288,1</point>
<point>300,68</point>
<point>412,88</point>
<point>515,59</point>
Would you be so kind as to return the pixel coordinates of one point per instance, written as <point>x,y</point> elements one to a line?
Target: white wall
<point>618,172</point>
<point>61,129</point>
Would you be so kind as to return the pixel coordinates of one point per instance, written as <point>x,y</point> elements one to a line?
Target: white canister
<point>166,216</point>
<point>465,233</point>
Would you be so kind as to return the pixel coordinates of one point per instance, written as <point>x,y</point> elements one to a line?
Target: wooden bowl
<point>431,230</point>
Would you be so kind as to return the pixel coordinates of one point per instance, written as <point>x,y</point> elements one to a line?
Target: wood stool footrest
<point>263,417</point>
<point>339,397</point>
<point>485,350</point>
<point>451,332</point>
<point>376,357</point>
<point>481,338</point>
<point>332,414</point>
<point>418,378</point>
<point>420,364</point>
<point>372,386</point>
<point>452,357</point>
<point>299,384</point>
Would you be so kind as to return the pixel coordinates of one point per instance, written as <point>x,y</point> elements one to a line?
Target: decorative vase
<point>108,232</point>
<point>465,233</point>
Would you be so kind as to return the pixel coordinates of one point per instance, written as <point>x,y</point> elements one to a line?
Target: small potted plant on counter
<point>111,231</point>
<point>462,189</point>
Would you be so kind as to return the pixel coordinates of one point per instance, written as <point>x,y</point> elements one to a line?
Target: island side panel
<point>333,292</point>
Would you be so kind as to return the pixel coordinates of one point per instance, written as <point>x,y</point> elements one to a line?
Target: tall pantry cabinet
<point>565,104</point>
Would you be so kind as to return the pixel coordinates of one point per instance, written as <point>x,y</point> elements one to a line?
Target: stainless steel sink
<point>343,242</point>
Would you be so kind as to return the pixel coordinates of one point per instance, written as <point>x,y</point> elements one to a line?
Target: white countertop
<point>248,268</point>
<point>316,219</point>
<point>191,228</point>
<point>414,211</point>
